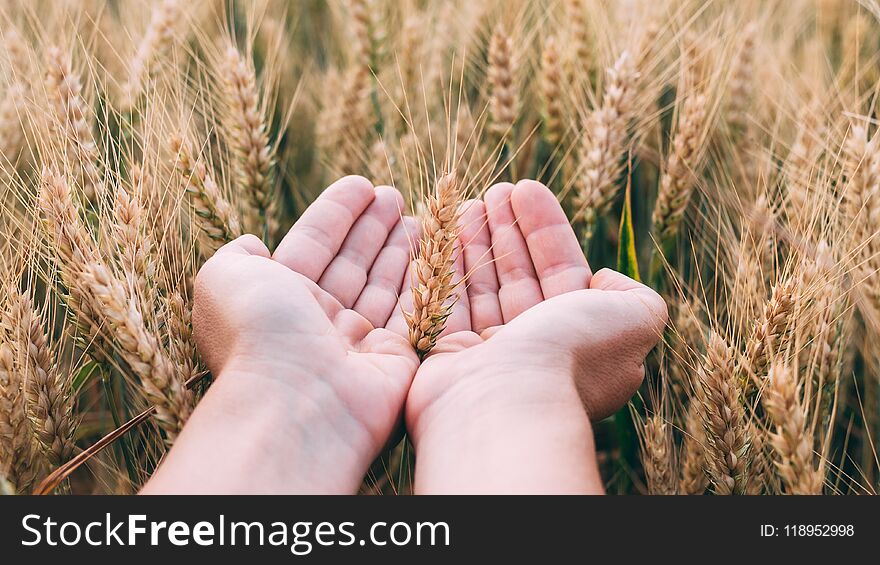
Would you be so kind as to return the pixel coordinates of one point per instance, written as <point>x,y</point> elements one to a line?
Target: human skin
<point>537,347</point>
<point>308,392</point>
<point>309,385</point>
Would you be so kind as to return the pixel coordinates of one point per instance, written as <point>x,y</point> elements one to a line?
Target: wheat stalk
<point>433,268</point>
<point>791,442</point>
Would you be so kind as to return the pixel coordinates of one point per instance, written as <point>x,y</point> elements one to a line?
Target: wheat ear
<point>215,216</point>
<point>153,47</point>
<point>861,193</point>
<point>603,146</point>
<point>694,479</point>
<point>102,297</point>
<point>503,99</point>
<point>658,456</point>
<point>677,182</point>
<point>17,462</point>
<point>552,95</point>
<point>72,122</point>
<point>791,442</point>
<point>248,135</point>
<point>433,268</point>
<point>724,420</point>
<point>771,331</point>
<point>742,80</point>
<point>48,398</point>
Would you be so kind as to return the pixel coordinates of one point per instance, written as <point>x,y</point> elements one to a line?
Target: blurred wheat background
<point>137,137</point>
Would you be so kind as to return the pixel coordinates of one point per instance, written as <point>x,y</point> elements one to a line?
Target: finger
<point>379,297</point>
<point>518,289</point>
<point>482,282</point>
<point>556,254</point>
<point>312,243</point>
<point>346,275</point>
<point>647,308</point>
<point>247,244</point>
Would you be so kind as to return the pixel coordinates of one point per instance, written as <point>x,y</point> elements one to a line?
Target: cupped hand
<point>534,334</point>
<point>299,338</point>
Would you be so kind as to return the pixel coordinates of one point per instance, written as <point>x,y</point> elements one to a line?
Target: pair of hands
<point>314,366</point>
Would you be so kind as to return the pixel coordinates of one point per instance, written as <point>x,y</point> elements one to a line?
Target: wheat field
<point>725,151</point>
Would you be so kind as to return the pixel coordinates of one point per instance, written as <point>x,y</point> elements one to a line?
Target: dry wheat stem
<point>433,268</point>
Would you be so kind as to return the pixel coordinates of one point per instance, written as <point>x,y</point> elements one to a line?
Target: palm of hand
<point>318,307</point>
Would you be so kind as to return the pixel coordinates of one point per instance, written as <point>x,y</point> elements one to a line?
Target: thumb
<point>649,305</point>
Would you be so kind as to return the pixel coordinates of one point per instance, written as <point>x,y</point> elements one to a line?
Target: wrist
<point>267,430</point>
<point>513,431</point>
